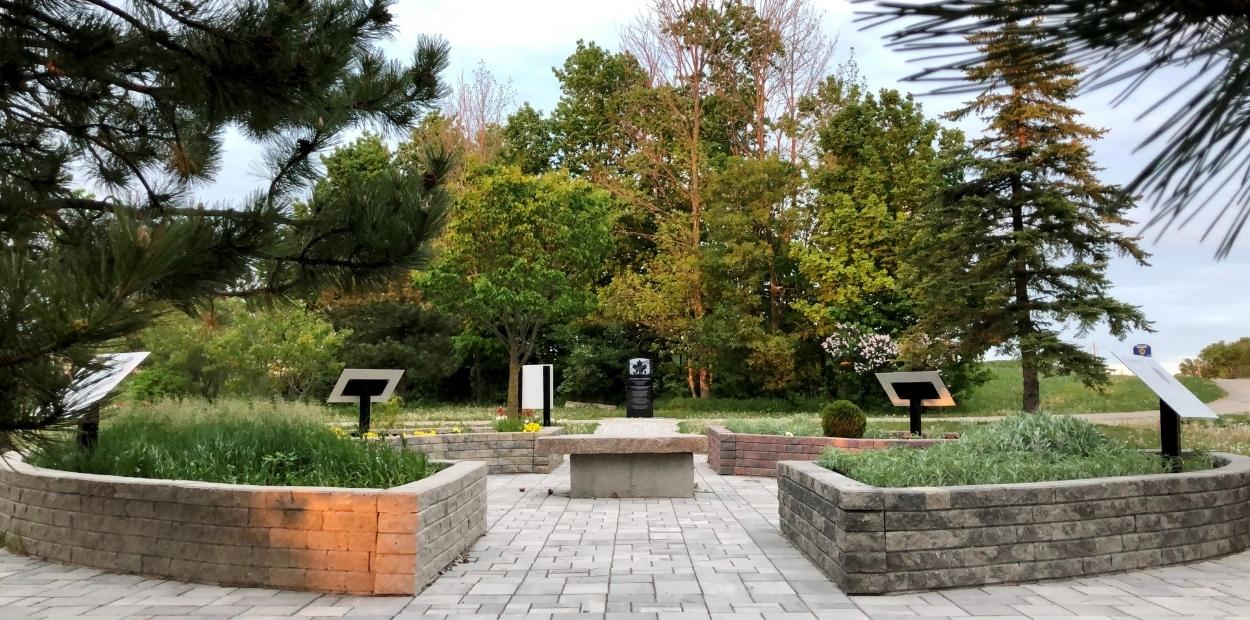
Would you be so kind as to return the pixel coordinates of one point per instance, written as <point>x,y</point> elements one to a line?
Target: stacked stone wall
<point>359,541</point>
<point>871,540</point>
<point>742,454</point>
<point>503,453</point>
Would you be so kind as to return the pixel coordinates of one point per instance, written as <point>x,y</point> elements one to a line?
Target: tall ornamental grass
<point>1022,448</point>
<point>236,445</point>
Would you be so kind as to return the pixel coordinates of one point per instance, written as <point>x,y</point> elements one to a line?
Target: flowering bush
<point>860,349</point>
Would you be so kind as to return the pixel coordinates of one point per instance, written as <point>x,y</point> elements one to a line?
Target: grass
<point>1068,394</point>
<point>1025,448</point>
<point>809,426</point>
<point>237,443</point>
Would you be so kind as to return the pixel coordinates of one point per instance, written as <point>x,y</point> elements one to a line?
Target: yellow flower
<point>457,429</point>
<point>372,435</point>
<point>532,427</point>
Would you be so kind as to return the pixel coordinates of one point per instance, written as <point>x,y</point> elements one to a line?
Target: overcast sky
<point>1192,298</point>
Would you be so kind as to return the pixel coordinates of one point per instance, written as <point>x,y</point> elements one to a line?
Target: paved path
<point>646,427</point>
<point>718,556</point>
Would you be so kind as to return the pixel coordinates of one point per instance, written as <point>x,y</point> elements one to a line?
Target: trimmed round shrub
<point>843,418</point>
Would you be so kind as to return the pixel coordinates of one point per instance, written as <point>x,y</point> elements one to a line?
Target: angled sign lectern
<point>916,390</point>
<point>1175,402</point>
<point>89,388</point>
<point>365,386</point>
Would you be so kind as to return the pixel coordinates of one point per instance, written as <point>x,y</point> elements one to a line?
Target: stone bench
<point>627,466</point>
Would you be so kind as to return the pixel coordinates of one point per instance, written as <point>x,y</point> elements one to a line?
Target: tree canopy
<point>134,99</point>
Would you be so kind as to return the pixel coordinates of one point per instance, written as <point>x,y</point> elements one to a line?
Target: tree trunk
<point>692,380</point>
<point>1031,397</point>
<point>1032,386</point>
<point>705,383</point>
<point>514,384</point>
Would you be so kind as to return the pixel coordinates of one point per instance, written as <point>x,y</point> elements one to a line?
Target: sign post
<point>89,388</point>
<point>365,386</point>
<point>915,390</point>
<point>639,400</point>
<point>536,389</point>
<point>1175,402</point>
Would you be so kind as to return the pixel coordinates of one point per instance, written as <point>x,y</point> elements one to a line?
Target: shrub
<point>272,449</point>
<point>843,418</point>
<point>1024,448</point>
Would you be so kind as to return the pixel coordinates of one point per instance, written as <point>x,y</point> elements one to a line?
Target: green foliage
<point>1024,448</point>
<point>1067,394</point>
<point>264,446</point>
<point>1020,251</point>
<point>400,330</point>
<point>1222,360</point>
<point>136,98</point>
<point>527,141</point>
<point>843,418</point>
<point>285,352</point>
<point>520,253</point>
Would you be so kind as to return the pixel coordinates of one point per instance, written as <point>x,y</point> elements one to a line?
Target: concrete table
<point>619,466</point>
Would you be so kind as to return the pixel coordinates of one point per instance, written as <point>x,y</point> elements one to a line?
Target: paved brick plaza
<point>719,555</point>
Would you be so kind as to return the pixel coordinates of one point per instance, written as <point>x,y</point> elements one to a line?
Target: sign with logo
<point>638,394</point>
<point>1142,350</point>
<point>1166,387</point>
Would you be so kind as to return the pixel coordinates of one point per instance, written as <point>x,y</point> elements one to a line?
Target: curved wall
<point>361,541</point>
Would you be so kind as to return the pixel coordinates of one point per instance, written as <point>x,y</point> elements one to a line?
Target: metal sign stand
<point>89,428</point>
<point>1170,437</point>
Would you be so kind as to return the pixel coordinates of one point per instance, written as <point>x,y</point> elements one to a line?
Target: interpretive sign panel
<point>374,383</point>
<point>903,387</point>
<point>537,387</point>
<point>90,388</point>
<point>639,397</point>
<point>1166,387</point>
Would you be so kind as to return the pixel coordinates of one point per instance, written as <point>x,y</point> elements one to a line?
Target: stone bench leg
<point>632,475</point>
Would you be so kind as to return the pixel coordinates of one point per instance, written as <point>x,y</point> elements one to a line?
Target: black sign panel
<point>638,393</point>
<point>364,387</point>
<point>910,390</point>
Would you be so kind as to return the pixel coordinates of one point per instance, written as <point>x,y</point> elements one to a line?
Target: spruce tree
<point>112,115</point>
<point>1019,250</point>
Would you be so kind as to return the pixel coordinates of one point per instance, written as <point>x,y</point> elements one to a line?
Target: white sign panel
<point>532,386</point>
<point>372,375</point>
<point>90,388</point>
<point>640,366</point>
<point>1166,387</point>
<point>888,379</point>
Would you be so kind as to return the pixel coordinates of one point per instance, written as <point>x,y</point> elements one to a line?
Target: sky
<point>1192,298</point>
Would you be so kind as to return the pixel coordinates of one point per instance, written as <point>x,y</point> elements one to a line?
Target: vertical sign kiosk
<point>89,388</point>
<point>536,389</point>
<point>1175,402</point>
<point>366,386</point>
<point>638,396</point>
<point>916,390</point>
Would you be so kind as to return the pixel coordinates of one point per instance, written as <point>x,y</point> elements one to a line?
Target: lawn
<point>1068,395</point>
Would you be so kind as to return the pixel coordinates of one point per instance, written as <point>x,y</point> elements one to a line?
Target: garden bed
<point>873,540</point>
<point>745,454</point>
<point>338,540</point>
<point>503,453</point>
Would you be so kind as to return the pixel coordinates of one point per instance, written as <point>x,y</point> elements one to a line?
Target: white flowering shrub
<point>860,350</point>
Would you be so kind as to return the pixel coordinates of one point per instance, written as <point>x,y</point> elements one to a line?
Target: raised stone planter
<point>503,453</point>
<point>358,541</point>
<point>741,454</point>
<point>872,540</point>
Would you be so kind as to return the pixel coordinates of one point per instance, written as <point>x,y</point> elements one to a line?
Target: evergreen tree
<point>1125,43</point>
<point>1020,250</point>
<point>135,99</point>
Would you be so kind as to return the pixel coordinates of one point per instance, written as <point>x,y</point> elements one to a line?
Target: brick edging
<point>339,540</point>
<point>872,540</point>
<point>503,453</point>
<point>744,454</point>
